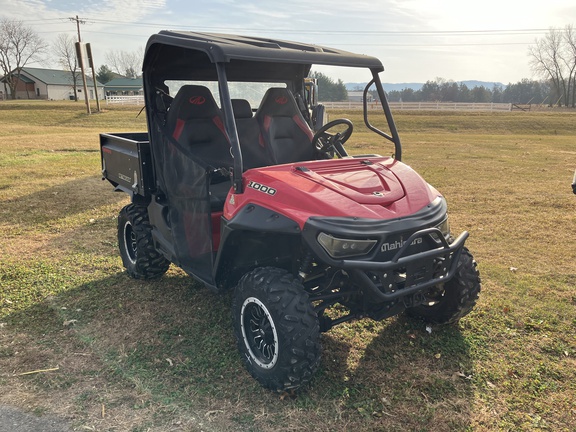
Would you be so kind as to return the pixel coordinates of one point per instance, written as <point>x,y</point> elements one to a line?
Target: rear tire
<point>276,328</point>
<point>449,302</point>
<point>139,256</point>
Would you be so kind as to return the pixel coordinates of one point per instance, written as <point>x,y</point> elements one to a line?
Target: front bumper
<point>421,258</point>
<point>421,270</point>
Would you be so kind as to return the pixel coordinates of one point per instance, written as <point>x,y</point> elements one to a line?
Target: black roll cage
<point>248,58</point>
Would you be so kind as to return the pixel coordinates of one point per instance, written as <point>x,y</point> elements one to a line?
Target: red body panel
<point>373,188</point>
<point>216,218</point>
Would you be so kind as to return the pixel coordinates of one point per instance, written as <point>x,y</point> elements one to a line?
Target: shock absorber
<point>305,266</point>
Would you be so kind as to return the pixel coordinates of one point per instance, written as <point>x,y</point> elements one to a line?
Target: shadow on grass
<point>404,379</point>
<point>60,201</point>
<point>173,340</point>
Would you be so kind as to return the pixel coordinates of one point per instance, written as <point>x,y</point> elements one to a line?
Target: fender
<point>255,219</point>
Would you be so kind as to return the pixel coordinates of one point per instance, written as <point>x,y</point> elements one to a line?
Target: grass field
<point>109,353</point>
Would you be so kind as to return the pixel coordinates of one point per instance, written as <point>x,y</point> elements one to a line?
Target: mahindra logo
<point>398,244</point>
<point>197,100</point>
<point>281,100</point>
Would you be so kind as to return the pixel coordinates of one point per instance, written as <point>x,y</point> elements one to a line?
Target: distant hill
<point>417,86</point>
<point>488,84</point>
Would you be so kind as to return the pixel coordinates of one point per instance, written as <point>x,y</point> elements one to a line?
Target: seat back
<point>254,151</point>
<point>283,127</point>
<point>195,121</point>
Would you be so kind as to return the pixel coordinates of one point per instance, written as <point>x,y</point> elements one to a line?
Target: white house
<point>53,84</point>
<point>358,96</point>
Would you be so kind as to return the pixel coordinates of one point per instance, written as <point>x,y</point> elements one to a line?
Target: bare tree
<point>570,39</point>
<point>125,63</point>
<point>19,45</point>
<point>554,57</point>
<point>65,52</point>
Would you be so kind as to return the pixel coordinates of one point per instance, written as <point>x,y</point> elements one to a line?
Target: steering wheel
<point>327,143</point>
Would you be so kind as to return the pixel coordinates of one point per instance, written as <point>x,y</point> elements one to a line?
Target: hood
<point>372,188</point>
<point>365,182</point>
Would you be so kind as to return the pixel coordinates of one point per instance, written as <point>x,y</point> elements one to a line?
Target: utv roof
<point>224,48</point>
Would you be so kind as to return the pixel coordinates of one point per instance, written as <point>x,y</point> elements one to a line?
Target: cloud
<point>131,10</point>
<point>126,10</point>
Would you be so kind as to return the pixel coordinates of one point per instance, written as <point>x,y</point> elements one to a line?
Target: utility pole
<point>81,61</point>
<point>91,64</point>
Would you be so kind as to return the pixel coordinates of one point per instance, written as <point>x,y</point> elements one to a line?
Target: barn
<point>51,84</point>
<point>122,86</point>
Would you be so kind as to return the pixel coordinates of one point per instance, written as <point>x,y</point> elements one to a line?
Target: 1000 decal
<point>262,188</point>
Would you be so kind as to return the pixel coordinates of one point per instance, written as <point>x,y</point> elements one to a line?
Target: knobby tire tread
<point>297,324</point>
<point>461,294</point>
<point>149,262</point>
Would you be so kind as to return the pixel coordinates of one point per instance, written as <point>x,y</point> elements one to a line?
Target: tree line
<point>328,89</point>
<point>440,90</point>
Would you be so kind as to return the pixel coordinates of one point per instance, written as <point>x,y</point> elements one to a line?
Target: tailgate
<point>126,162</point>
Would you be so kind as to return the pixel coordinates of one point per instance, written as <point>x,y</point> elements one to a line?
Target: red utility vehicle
<point>268,202</point>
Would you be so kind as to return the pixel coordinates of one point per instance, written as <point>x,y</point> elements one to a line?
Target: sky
<point>416,40</point>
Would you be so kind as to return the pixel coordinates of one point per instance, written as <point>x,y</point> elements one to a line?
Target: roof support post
<point>230,126</point>
<point>387,112</point>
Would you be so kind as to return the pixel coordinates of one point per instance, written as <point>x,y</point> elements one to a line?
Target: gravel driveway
<point>15,420</point>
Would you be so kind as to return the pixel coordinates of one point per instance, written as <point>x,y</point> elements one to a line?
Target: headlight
<point>342,248</point>
<point>444,228</point>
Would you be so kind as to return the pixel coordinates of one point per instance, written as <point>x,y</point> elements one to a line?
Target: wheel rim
<point>259,333</point>
<point>130,242</point>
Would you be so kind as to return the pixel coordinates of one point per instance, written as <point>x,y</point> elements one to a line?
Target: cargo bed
<point>126,162</point>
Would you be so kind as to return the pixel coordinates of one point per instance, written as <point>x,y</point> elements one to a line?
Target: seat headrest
<point>194,102</point>
<point>241,108</point>
<point>278,101</point>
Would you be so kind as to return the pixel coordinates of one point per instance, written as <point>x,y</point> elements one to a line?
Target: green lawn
<point>160,355</point>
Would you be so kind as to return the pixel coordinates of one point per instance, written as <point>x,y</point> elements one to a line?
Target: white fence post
<point>125,100</point>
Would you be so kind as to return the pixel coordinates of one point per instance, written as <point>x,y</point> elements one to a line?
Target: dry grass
<point>160,355</point>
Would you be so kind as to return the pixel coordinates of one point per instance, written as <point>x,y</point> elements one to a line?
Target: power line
<point>496,32</point>
<point>435,45</point>
<point>43,20</point>
<point>389,33</point>
<point>383,44</point>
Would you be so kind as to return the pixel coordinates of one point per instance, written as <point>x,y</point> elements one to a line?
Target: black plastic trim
<point>257,218</point>
<point>359,228</point>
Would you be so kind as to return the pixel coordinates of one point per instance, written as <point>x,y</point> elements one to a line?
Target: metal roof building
<point>124,86</point>
<point>52,84</point>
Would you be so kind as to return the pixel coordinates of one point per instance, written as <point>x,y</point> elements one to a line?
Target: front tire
<point>139,256</point>
<point>276,328</point>
<point>447,303</point>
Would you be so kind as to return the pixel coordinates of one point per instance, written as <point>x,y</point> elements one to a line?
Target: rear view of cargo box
<point>126,162</point>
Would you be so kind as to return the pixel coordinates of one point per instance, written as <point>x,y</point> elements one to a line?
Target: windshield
<point>342,91</point>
